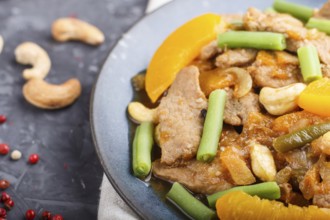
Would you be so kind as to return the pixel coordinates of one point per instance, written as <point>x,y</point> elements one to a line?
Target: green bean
<point>300,137</point>
<point>250,39</point>
<point>142,146</point>
<point>188,203</point>
<point>212,126</point>
<point>236,24</point>
<point>270,10</point>
<point>299,11</point>
<point>320,24</point>
<point>268,190</point>
<point>309,63</point>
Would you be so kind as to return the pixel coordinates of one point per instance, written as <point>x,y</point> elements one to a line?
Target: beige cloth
<point>111,206</point>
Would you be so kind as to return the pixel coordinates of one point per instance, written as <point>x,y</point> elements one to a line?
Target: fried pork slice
<point>297,35</point>
<point>200,177</point>
<point>321,145</point>
<point>258,128</point>
<point>210,50</point>
<point>180,122</point>
<point>238,109</point>
<point>256,20</point>
<point>316,183</point>
<point>296,120</point>
<point>275,69</point>
<point>322,45</point>
<point>235,57</point>
<point>324,12</point>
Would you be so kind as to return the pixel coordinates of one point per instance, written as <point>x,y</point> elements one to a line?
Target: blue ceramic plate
<point>113,91</point>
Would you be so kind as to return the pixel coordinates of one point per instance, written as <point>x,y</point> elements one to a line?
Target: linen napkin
<point>111,206</point>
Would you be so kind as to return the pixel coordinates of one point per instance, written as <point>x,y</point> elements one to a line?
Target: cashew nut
<point>139,113</point>
<point>1,43</point>
<point>243,81</point>
<point>262,162</point>
<point>33,54</point>
<point>279,101</point>
<point>44,95</point>
<point>65,29</point>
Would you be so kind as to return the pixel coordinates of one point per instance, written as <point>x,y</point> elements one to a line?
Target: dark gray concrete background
<point>68,176</point>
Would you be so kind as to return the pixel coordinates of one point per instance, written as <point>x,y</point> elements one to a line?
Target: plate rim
<point>91,110</point>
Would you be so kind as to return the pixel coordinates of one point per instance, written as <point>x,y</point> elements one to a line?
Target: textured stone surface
<point>67,178</point>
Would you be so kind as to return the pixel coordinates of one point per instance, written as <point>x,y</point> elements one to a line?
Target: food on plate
<point>178,50</point>
<point>242,116</point>
<point>239,205</point>
<point>65,29</point>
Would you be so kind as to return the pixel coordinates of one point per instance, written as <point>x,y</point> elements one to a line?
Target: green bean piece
<point>267,190</point>
<point>236,24</point>
<point>212,126</point>
<point>270,10</point>
<point>250,39</point>
<point>142,146</point>
<point>309,63</point>
<point>301,12</point>
<point>320,24</point>
<point>300,137</point>
<point>189,204</point>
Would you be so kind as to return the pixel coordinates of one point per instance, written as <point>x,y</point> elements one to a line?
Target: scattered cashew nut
<point>262,162</point>
<point>139,113</point>
<point>243,81</point>
<point>279,101</point>
<point>33,54</point>
<point>48,96</point>
<point>1,43</point>
<point>65,29</point>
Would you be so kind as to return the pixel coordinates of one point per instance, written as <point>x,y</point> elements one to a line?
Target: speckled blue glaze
<point>113,92</point>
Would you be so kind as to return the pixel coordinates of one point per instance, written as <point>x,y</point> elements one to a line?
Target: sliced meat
<point>256,20</point>
<point>322,45</point>
<point>310,182</point>
<point>297,35</point>
<point>296,120</point>
<point>283,176</point>
<point>258,128</point>
<point>321,145</point>
<point>322,200</point>
<point>299,161</point>
<point>324,12</point>
<point>316,183</point>
<point>200,177</point>
<point>229,136</point>
<point>210,50</point>
<point>237,109</point>
<point>235,57</point>
<point>325,70</point>
<point>275,69</point>
<point>180,125</point>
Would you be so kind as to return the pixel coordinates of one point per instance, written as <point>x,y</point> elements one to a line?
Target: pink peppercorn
<point>30,214</point>
<point>57,217</point>
<point>4,197</point>
<point>4,149</point>
<point>3,212</point>
<point>3,119</point>
<point>9,204</point>
<point>34,158</point>
<point>46,215</point>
